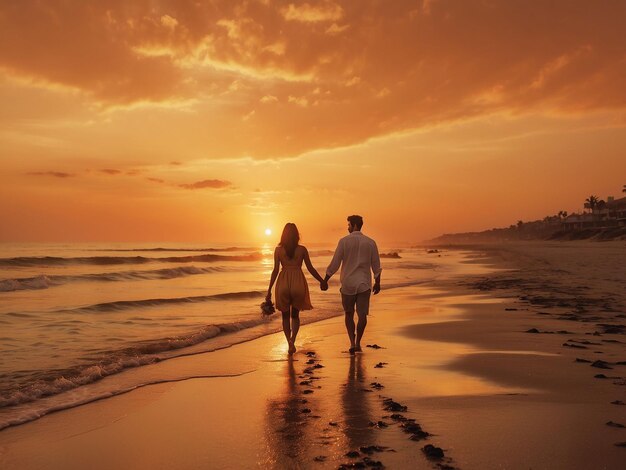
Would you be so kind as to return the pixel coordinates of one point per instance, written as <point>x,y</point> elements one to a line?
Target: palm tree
<point>590,202</point>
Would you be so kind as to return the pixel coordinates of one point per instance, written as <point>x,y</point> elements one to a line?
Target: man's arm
<point>376,269</point>
<point>335,262</point>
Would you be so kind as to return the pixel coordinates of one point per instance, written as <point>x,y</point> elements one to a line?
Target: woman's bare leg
<point>295,325</point>
<point>287,327</point>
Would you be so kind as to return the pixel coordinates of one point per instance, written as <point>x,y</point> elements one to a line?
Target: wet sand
<point>497,370</point>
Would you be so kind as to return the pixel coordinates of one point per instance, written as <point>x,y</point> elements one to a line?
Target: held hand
<point>268,297</point>
<point>324,285</point>
<point>376,288</point>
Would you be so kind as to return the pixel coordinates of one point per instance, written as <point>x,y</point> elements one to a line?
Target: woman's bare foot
<point>292,348</point>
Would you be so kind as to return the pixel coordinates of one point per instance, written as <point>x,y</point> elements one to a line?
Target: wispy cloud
<point>155,180</point>
<point>307,13</point>
<point>110,171</point>
<point>56,174</point>
<point>213,184</point>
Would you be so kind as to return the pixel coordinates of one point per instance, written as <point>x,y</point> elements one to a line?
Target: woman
<point>292,291</point>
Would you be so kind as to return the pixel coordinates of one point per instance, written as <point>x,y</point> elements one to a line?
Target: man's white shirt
<point>358,256</point>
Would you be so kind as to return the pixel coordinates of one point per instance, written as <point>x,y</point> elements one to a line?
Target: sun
<point>268,232</point>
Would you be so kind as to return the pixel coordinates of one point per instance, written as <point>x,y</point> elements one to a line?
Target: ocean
<point>81,322</point>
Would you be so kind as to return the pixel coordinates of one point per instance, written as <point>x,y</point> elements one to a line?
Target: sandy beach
<point>518,363</point>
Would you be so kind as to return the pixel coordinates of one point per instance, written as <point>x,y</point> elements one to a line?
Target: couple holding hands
<point>358,257</point>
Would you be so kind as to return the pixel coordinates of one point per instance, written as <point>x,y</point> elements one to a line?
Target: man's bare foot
<point>351,351</point>
<point>357,348</point>
<point>292,348</point>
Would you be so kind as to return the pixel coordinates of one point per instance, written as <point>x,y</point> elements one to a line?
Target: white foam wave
<point>56,382</point>
<point>44,282</point>
<point>38,282</point>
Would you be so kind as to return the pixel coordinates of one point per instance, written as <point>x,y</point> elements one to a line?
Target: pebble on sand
<point>613,424</point>
<point>601,365</point>
<point>369,450</point>
<point>390,405</point>
<point>433,452</point>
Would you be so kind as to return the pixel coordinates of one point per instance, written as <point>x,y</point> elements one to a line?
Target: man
<point>358,257</point>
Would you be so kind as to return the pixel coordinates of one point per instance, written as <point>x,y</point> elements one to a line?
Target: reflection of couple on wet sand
<point>358,257</point>
<point>295,437</point>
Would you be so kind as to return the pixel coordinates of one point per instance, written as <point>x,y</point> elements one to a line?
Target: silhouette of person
<point>292,290</point>
<point>358,257</point>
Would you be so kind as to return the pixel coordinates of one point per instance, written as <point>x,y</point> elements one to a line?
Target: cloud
<point>56,174</point>
<point>268,99</point>
<point>300,101</point>
<point>169,22</point>
<point>402,65</point>
<point>155,180</point>
<point>214,184</point>
<point>336,29</point>
<point>110,171</point>
<point>307,13</point>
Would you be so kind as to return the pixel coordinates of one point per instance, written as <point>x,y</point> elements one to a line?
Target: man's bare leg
<point>350,328</point>
<point>360,329</point>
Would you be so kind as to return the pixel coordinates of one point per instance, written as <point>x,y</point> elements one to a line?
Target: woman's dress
<point>292,289</point>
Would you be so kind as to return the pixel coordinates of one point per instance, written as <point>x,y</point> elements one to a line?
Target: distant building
<point>616,209</point>
<point>574,221</point>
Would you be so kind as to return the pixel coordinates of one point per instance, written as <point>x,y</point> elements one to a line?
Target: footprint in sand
<point>613,424</point>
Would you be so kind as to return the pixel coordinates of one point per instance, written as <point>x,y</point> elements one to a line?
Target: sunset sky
<point>200,121</point>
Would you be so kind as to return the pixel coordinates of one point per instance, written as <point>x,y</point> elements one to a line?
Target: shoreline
<point>456,353</point>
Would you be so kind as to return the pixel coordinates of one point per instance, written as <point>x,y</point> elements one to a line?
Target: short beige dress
<point>292,289</point>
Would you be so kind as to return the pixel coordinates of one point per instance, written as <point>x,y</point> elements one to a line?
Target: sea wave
<point>57,381</point>
<point>27,261</point>
<point>158,248</point>
<point>43,282</point>
<point>16,416</point>
<point>121,305</point>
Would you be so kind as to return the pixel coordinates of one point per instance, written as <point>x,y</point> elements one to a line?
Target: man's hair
<point>356,220</point>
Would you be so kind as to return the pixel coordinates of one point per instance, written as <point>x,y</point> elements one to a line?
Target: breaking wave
<point>53,382</point>
<point>44,282</point>
<point>26,261</point>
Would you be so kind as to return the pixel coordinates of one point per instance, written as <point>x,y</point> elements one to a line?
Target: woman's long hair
<point>289,239</point>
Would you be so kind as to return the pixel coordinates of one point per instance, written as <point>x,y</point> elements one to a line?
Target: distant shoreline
<point>520,234</point>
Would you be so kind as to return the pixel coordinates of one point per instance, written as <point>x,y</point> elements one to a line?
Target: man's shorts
<point>361,300</point>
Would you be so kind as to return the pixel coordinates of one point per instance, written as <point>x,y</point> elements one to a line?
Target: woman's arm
<point>274,275</point>
<point>310,267</point>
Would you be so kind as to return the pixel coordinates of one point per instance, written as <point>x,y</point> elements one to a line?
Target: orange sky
<point>210,121</point>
